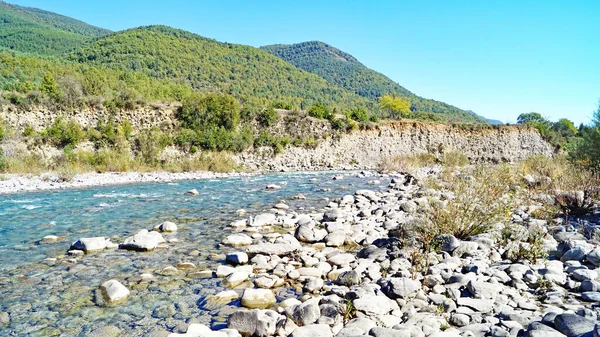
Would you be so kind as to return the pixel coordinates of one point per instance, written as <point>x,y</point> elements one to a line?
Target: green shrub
<point>205,112</point>
<point>359,115</point>
<point>62,133</point>
<point>320,111</point>
<point>267,117</point>
<point>28,131</point>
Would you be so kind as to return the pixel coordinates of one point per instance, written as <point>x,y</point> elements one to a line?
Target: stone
<point>460,320</point>
<point>193,191</point>
<point>448,243</point>
<point>313,284</point>
<point>258,298</point>
<point>373,305</point>
<point>260,323</point>
<point>299,196</point>
<point>306,313</point>
<point>105,331</point>
<point>574,254</point>
<point>479,305</point>
<point>166,226</point>
<point>235,279</point>
<point>143,241</point>
<point>537,329</point>
<point>387,332</point>
<point>573,325</point>
<point>114,292</point>
<point>268,282</point>
<point>333,214</point>
<point>591,296</point>
<point>342,259</point>
<point>594,257</point>
<point>273,187</point>
<point>584,275</point>
<point>335,239</point>
<point>483,289</point>
<point>201,330</point>
<point>348,278</point>
<point>237,258</point>
<point>225,296</point>
<point>400,287</point>
<point>89,245</point>
<point>279,249</point>
<point>4,318</point>
<point>315,330</point>
<point>236,240</point>
<point>49,239</point>
<point>263,220</point>
<point>281,206</point>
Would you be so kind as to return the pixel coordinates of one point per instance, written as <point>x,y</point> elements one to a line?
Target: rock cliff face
<point>160,115</point>
<point>334,149</point>
<point>367,148</point>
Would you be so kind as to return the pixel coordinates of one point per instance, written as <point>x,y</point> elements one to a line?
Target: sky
<point>497,58</point>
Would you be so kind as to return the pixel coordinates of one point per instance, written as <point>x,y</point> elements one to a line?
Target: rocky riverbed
<point>346,269</point>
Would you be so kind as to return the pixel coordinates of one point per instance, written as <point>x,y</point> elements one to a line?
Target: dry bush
<point>574,187</point>
<point>480,200</point>
<point>407,163</point>
<point>455,159</point>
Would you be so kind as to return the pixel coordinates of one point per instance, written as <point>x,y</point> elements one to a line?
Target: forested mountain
<point>160,62</point>
<point>33,30</point>
<point>204,64</point>
<point>342,69</point>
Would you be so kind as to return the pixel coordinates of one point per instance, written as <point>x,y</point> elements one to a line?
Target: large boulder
<point>258,298</point>
<point>143,241</point>
<point>306,313</point>
<point>114,292</point>
<point>90,245</point>
<point>400,287</point>
<point>255,322</point>
<point>573,325</point>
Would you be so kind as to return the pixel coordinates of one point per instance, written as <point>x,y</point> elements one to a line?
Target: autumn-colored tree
<point>397,107</point>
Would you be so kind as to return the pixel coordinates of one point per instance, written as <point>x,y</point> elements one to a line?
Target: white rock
<point>166,226</point>
<point>193,191</point>
<point>89,245</point>
<point>237,240</point>
<point>258,298</point>
<point>143,241</point>
<point>114,292</point>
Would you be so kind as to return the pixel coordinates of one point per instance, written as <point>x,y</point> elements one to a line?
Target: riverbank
<point>18,183</point>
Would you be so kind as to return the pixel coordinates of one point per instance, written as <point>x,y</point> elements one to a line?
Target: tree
<point>589,148</point>
<point>565,128</point>
<point>49,86</point>
<point>531,118</point>
<point>397,107</point>
<point>203,112</point>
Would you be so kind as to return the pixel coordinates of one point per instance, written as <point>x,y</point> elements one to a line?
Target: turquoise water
<point>49,298</point>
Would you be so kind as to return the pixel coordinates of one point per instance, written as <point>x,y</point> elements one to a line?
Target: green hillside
<point>342,69</point>
<point>32,30</point>
<point>207,65</point>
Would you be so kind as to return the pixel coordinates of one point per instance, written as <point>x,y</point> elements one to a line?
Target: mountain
<point>204,64</point>
<point>344,70</point>
<point>32,30</point>
<point>491,121</point>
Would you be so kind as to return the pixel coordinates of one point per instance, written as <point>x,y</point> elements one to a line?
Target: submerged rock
<point>114,292</point>
<point>236,240</point>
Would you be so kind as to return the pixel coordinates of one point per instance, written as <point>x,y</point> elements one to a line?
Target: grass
<point>407,163</point>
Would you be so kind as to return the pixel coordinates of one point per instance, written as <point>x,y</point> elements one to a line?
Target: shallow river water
<point>58,298</point>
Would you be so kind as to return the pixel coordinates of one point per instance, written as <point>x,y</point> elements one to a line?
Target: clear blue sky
<point>498,58</point>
